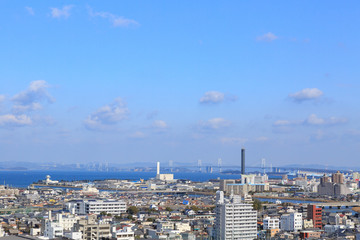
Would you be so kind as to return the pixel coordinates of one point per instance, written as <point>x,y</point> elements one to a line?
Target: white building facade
<point>271,223</point>
<point>97,207</point>
<point>291,222</point>
<point>234,219</point>
<point>123,234</point>
<point>53,230</point>
<point>67,222</point>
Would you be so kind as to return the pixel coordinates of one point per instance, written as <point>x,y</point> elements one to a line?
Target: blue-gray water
<point>273,200</point>
<point>25,178</point>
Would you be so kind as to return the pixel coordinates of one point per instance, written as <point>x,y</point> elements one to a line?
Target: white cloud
<point>160,124</point>
<point>29,100</point>
<point>116,21</point>
<point>63,12</point>
<point>107,115</point>
<point>233,140</point>
<point>10,120</point>
<point>30,10</point>
<point>315,120</point>
<point>306,94</point>
<point>335,120</point>
<point>311,120</point>
<point>212,97</point>
<point>214,124</point>
<point>2,98</point>
<point>267,37</point>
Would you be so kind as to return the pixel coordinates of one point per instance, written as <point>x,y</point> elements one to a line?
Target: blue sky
<point>146,81</point>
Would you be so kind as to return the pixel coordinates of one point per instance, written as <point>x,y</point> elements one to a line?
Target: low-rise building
<point>270,223</point>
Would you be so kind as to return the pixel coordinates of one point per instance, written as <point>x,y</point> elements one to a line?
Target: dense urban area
<point>251,206</point>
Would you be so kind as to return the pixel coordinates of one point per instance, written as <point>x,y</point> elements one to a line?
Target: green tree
<point>168,209</point>
<point>194,208</point>
<point>132,210</point>
<point>150,210</point>
<point>257,205</point>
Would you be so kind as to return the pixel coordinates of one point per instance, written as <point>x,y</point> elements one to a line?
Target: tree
<point>150,210</point>
<point>132,210</point>
<point>169,209</point>
<point>257,205</point>
<point>194,208</point>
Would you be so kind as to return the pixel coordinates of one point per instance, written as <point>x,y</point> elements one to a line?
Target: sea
<point>22,179</point>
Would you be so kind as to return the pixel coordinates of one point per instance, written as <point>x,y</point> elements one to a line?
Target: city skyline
<point>147,82</point>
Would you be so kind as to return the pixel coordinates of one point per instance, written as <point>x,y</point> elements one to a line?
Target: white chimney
<point>158,168</point>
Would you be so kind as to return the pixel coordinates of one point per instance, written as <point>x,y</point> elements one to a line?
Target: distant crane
<point>199,164</point>
<point>171,163</point>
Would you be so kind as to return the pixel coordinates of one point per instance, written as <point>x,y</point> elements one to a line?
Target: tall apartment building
<point>96,207</point>
<point>315,214</point>
<point>335,187</point>
<point>270,223</point>
<point>337,177</point>
<point>234,219</point>
<point>291,222</point>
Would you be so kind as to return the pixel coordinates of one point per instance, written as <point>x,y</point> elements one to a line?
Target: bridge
<point>256,165</point>
<point>337,204</point>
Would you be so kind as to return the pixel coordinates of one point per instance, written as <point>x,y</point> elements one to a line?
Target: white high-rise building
<point>234,219</point>
<point>291,222</point>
